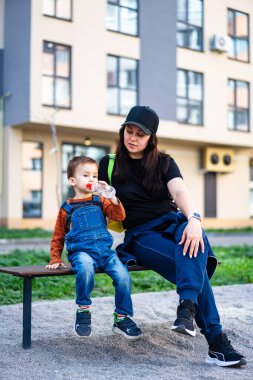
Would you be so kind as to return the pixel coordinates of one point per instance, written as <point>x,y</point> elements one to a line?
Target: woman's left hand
<point>192,238</point>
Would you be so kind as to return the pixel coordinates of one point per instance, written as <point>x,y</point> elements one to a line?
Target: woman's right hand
<point>192,238</point>
<point>56,265</point>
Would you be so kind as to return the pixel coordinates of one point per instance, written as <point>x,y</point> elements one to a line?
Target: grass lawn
<point>6,233</point>
<point>236,268</point>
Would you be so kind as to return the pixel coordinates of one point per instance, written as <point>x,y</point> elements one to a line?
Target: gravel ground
<point>57,353</point>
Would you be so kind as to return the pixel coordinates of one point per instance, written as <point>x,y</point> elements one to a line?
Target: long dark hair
<point>154,164</point>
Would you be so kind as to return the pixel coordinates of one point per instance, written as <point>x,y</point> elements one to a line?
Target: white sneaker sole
<point>236,363</point>
<point>82,336</point>
<point>182,330</point>
<point>116,330</point>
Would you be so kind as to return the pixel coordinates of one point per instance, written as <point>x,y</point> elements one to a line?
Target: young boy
<point>81,224</point>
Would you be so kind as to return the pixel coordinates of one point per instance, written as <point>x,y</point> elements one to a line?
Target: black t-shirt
<point>140,205</point>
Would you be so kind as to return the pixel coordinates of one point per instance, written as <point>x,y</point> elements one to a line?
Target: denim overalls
<point>89,247</point>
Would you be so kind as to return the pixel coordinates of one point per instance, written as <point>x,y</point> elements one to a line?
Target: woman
<point>171,242</point>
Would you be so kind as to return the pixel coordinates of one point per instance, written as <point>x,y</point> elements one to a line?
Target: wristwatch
<point>194,215</point>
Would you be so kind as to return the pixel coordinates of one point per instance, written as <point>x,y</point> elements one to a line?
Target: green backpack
<point>112,224</point>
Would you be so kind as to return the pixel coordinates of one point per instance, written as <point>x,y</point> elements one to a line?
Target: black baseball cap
<point>143,117</point>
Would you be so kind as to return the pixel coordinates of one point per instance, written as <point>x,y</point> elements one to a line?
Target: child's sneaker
<point>185,316</point>
<point>83,324</point>
<point>126,327</point>
<point>223,354</point>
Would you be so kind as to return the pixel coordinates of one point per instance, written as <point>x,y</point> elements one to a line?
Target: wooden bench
<point>30,272</point>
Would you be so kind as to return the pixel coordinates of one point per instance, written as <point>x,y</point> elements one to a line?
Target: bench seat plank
<point>41,271</point>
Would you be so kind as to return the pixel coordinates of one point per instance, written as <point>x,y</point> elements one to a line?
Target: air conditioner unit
<point>220,160</point>
<point>219,43</point>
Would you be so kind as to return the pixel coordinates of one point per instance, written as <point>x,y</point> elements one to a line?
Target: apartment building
<point>71,69</point>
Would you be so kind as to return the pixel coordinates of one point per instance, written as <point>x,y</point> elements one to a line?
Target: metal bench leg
<point>27,312</point>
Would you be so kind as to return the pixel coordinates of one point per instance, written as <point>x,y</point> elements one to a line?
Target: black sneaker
<point>223,354</point>
<point>83,324</point>
<point>127,328</point>
<point>185,316</point>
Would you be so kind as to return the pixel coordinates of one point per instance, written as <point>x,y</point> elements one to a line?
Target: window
<point>121,84</point>
<point>251,187</point>
<point>36,164</point>
<point>251,169</point>
<point>238,31</point>
<point>251,201</point>
<point>122,16</point>
<point>58,8</point>
<point>32,179</point>
<point>71,150</point>
<point>56,80</point>
<point>190,24</point>
<point>189,97</point>
<point>238,105</point>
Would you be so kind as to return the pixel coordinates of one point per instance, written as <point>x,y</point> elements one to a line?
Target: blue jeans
<point>159,250</point>
<point>84,267</point>
<point>89,247</point>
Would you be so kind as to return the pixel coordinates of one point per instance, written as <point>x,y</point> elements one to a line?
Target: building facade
<point>70,70</point>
